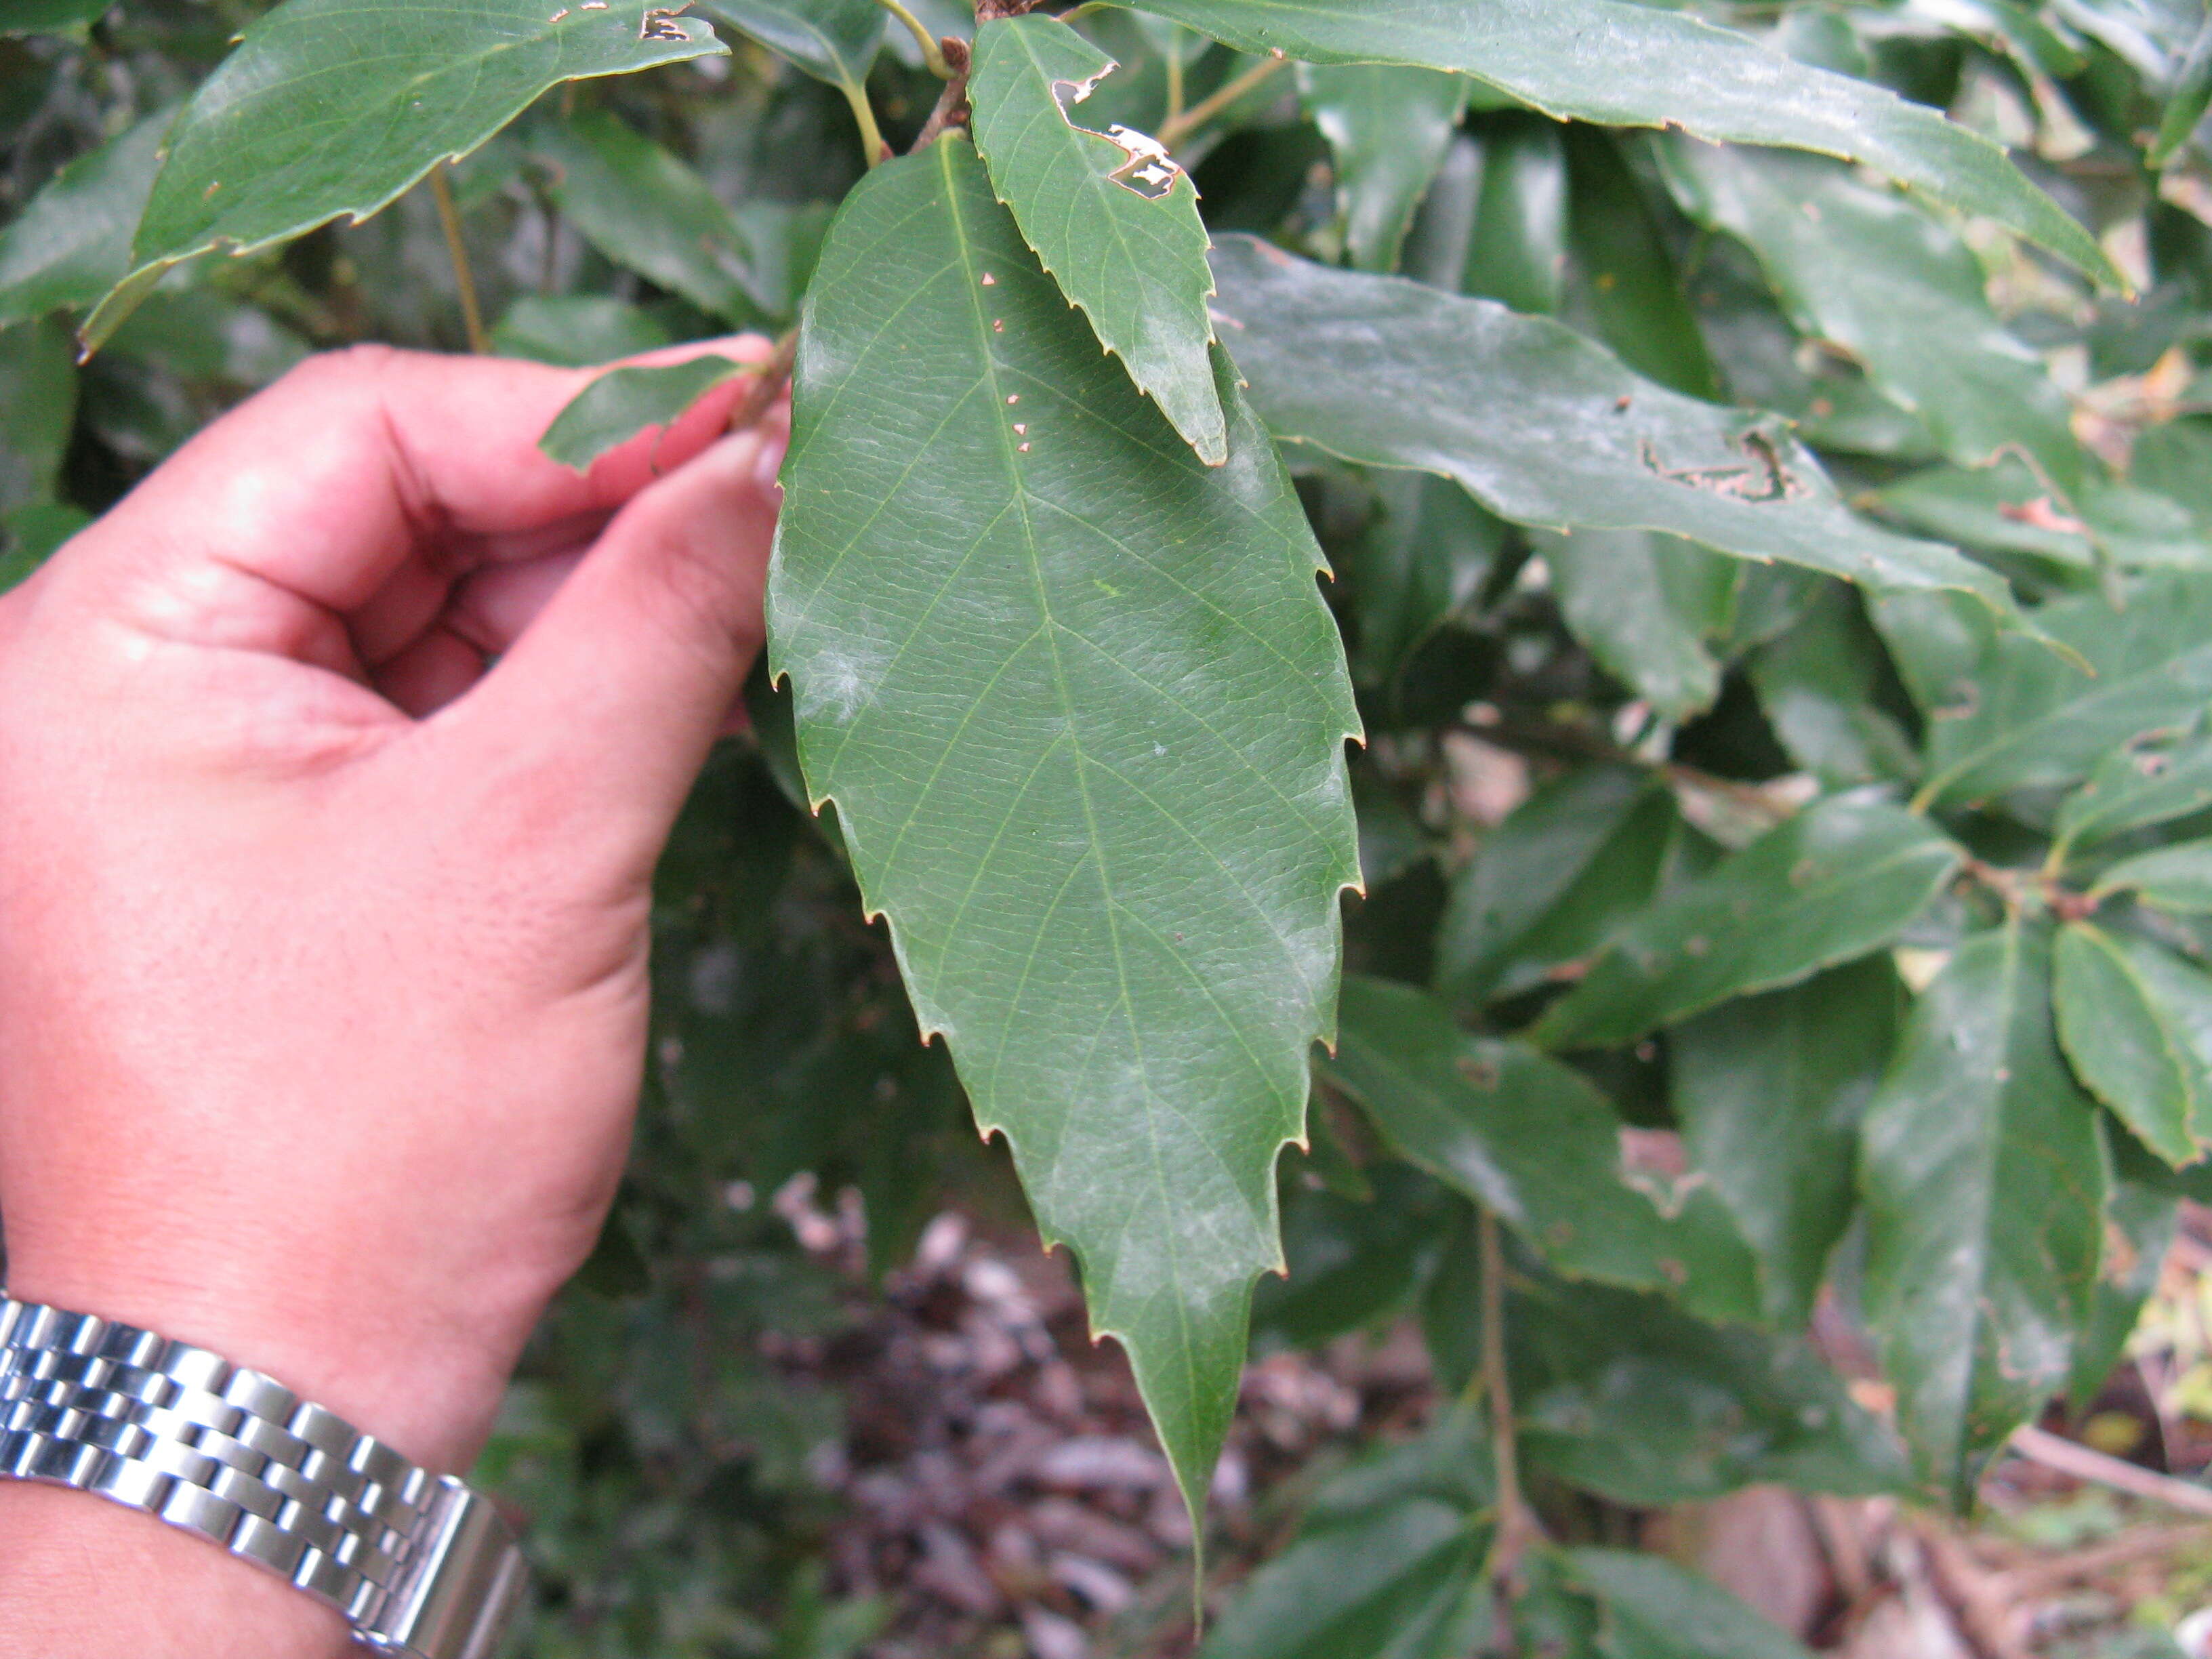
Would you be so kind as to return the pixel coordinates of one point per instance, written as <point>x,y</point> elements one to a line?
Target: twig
<point>449,217</point>
<point>1175,76</point>
<point>1173,133</point>
<point>2067,1457</point>
<point>951,109</point>
<point>769,382</point>
<point>931,54</point>
<point>1517,1526</point>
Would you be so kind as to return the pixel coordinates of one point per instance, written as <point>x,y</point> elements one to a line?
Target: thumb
<point>621,683</point>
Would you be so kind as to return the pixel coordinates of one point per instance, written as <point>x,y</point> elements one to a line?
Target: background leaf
<point>1530,1140</point>
<point>71,242</point>
<point>833,40</point>
<point>1769,1090</point>
<point>38,405</point>
<point>2137,1022</point>
<point>1427,553</point>
<point>1831,884</point>
<point>335,107</point>
<point>1391,372</point>
<point>1622,64</point>
<point>2177,877</point>
<point>1096,786</point>
<point>1388,128</point>
<point>1647,606</point>
<point>1984,1175</point>
<point>1634,291</point>
<point>1873,274</point>
<point>1124,247</point>
<point>1517,251</point>
<point>1656,1610</point>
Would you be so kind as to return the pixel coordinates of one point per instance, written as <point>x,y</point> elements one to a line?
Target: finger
<point>619,685</point>
<point>320,489</point>
<point>438,669</point>
<point>427,588</point>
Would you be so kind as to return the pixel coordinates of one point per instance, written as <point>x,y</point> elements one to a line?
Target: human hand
<point>322,1003</point>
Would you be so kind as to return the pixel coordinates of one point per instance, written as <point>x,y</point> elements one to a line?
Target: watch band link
<point>421,1567</point>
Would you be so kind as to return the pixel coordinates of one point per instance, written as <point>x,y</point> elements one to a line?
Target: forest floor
<point>1003,1498</point>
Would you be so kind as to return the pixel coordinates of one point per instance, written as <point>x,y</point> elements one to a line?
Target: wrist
<point>419,1374</point>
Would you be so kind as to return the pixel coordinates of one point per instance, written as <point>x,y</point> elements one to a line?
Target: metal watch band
<point>421,1567</point>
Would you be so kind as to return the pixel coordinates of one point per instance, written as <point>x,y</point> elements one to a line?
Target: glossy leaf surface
<point>1872,273</point>
<point>1392,372</point>
<point>1622,64</point>
<point>2037,719</point>
<point>1832,884</point>
<point>833,40</point>
<point>1116,224</point>
<point>1634,289</point>
<point>1081,708</point>
<point>2177,877</point>
<point>1817,685</point>
<point>1648,608</point>
<point>1769,1092</point>
<point>1532,1142</point>
<point>1389,127</point>
<point>2137,1022</point>
<point>1983,1175</point>
<point>327,109</point>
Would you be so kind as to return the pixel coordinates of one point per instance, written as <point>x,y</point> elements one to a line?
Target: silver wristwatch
<point>421,1567</point>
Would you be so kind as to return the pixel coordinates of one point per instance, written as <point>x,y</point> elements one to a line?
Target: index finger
<point>321,485</point>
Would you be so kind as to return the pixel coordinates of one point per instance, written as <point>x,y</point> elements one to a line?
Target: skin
<point>323,997</point>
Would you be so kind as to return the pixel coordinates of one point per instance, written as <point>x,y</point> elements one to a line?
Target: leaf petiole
<point>931,53</point>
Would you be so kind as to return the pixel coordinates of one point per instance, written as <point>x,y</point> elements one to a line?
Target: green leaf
<point>2175,460</point>
<point>2191,95</point>
<point>1389,1564</point>
<point>1390,373</point>
<point>1629,1397</point>
<point>1656,1610</point>
<point>1082,709</point>
<point>1388,127</point>
<point>2137,1022</point>
<point>2157,778</point>
<point>1816,685</point>
<point>51,16</point>
<point>833,40</point>
<point>2140,1224</point>
<point>577,330</point>
<point>38,407</point>
<point>2030,718</point>
<point>1427,553</point>
<point>647,210</point>
<point>1529,1139</point>
<point>1111,218</point>
<point>1839,880</point>
<point>1769,1092</point>
<point>1620,64</point>
<point>2005,508</point>
<point>1631,286</point>
<point>33,532</point>
<point>71,243</point>
<point>1647,606</point>
<point>338,106</point>
<point>1551,882</point>
<point>2176,878</point>
<point>1354,1262</point>
<point>1984,1177</point>
<point>1518,252</point>
<point>624,402</point>
<point>1870,272</point>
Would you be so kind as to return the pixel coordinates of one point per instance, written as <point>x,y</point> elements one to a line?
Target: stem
<point>951,109</point>
<point>1213,103</point>
<point>767,385</point>
<point>1517,1526</point>
<point>1175,76</point>
<point>449,217</point>
<point>872,136</point>
<point>931,54</point>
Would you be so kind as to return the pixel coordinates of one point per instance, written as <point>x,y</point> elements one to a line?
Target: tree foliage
<point>1753,458</point>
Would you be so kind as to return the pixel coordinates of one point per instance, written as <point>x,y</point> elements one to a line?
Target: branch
<point>767,385</point>
<point>1517,1526</point>
<point>2054,1452</point>
<point>951,109</point>
<point>449,218</point>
